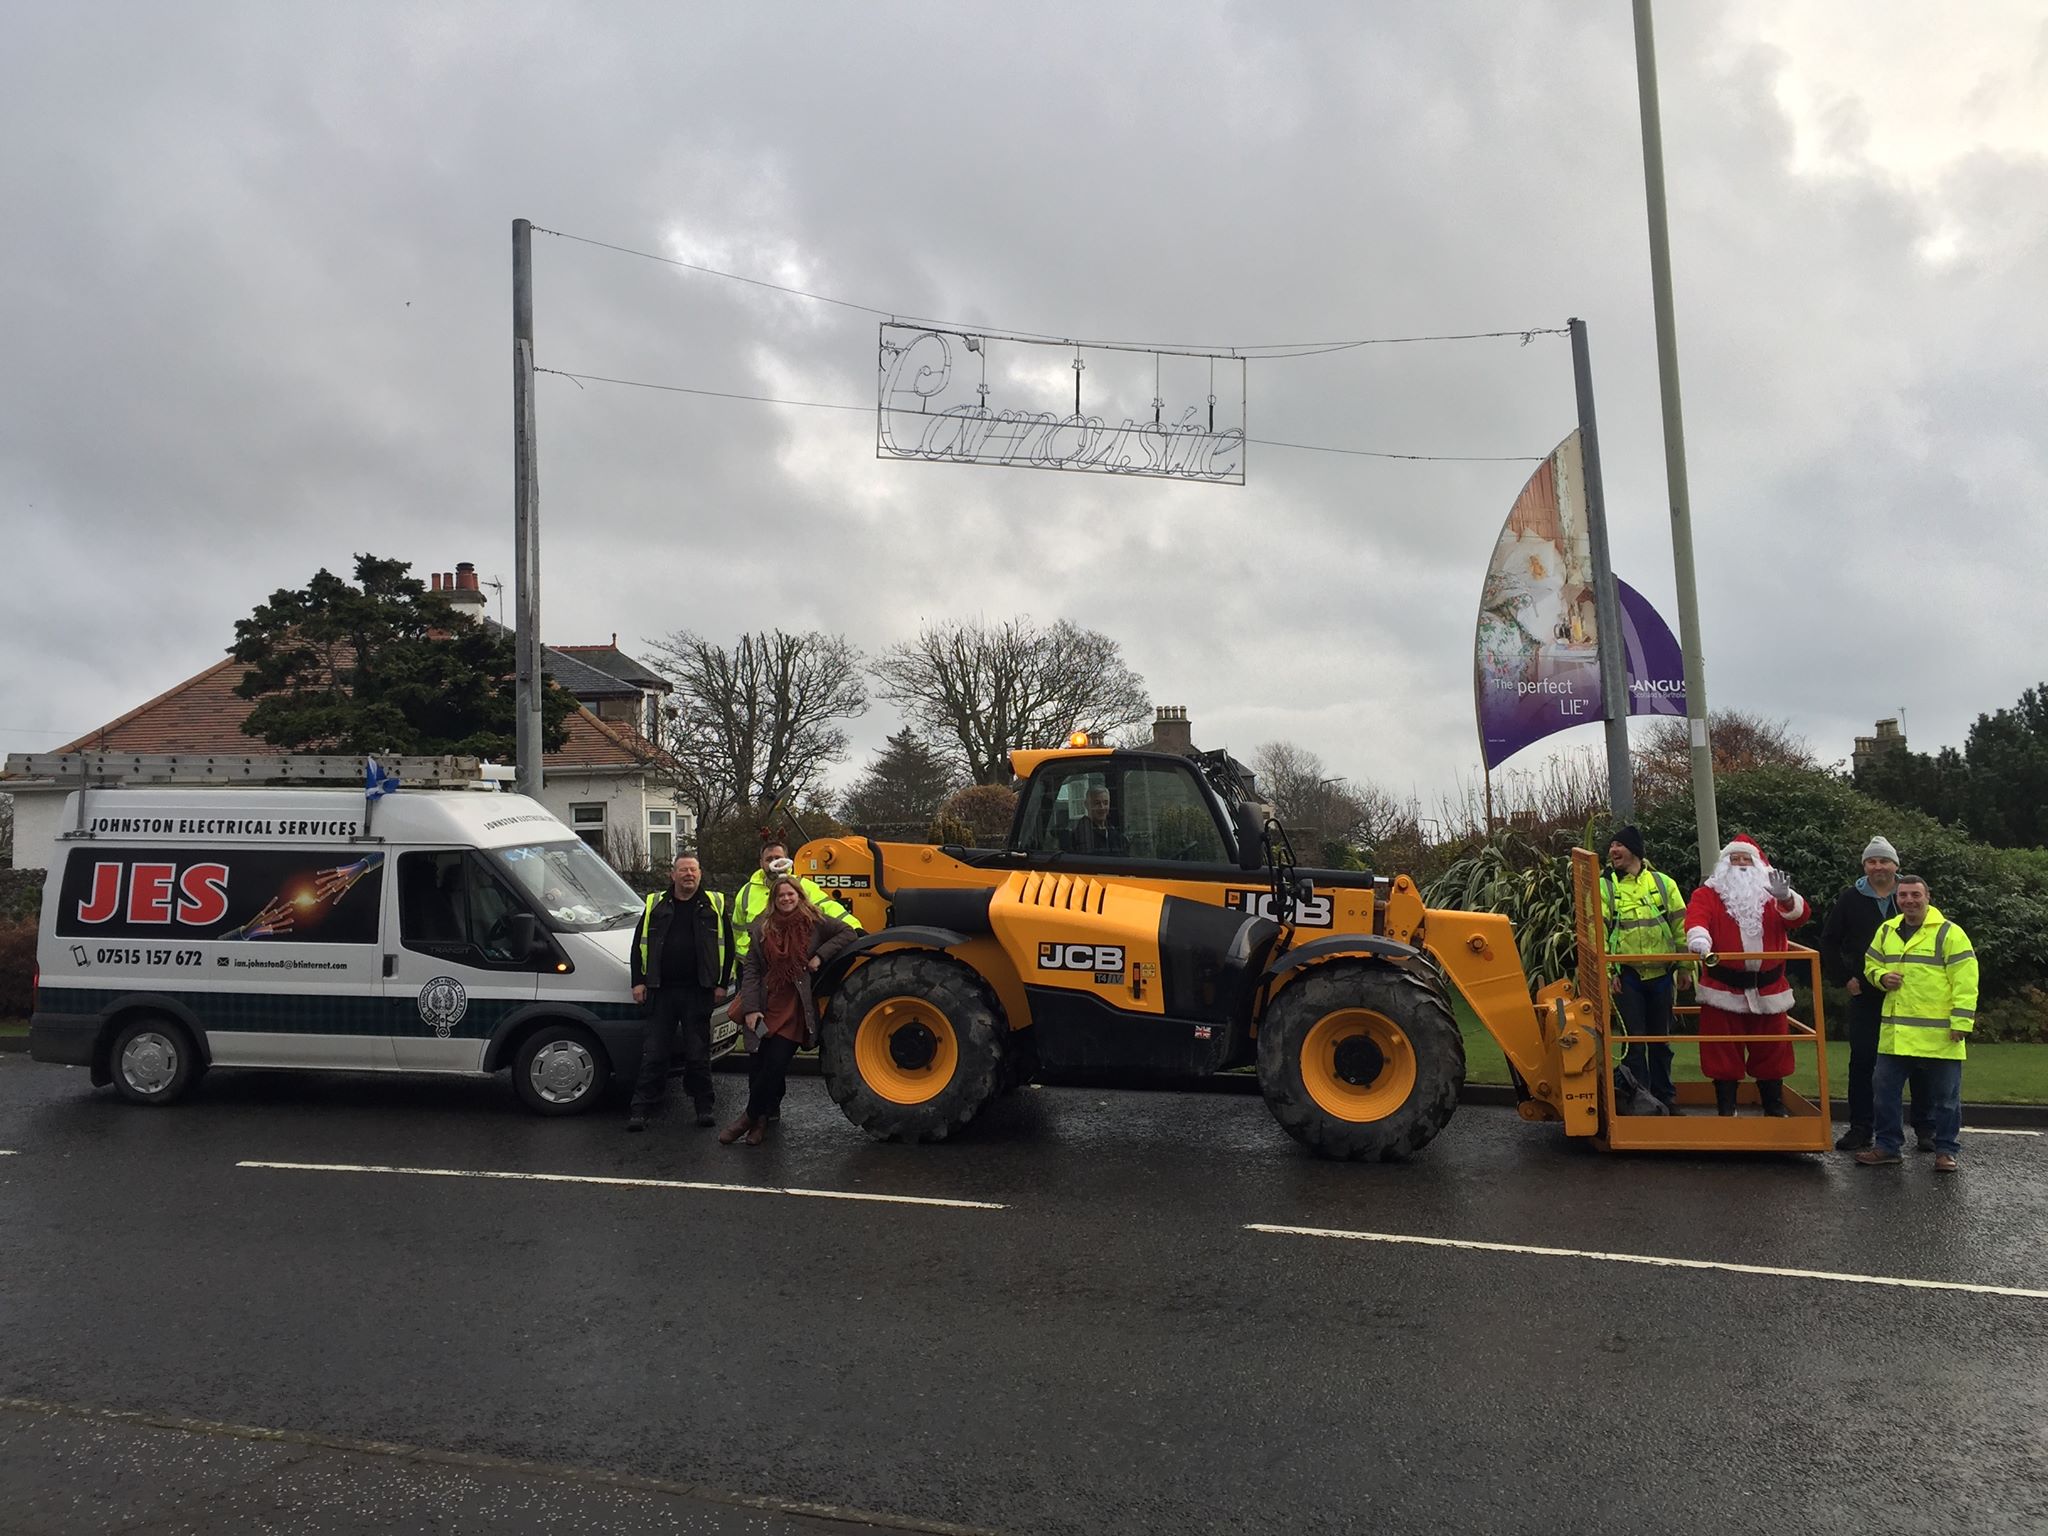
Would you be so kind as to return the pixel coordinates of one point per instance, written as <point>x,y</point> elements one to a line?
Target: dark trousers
<point>1866,1017</point>
<point>1644,1004</point>
<point>678,1019</point>
<point>1944,1079</point>
<point>768,1076</point>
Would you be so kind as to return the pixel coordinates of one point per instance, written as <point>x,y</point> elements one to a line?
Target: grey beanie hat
<point>1881,848</point>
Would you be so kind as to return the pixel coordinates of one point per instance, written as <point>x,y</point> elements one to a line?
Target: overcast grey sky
<point>255,295</point>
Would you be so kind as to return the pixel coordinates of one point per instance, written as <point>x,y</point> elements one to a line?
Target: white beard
<point>1743,892</point>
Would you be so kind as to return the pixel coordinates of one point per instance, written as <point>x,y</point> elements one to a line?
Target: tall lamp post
<point>1674,446</point>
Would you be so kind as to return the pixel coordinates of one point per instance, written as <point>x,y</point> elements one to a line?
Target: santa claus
<point>1745,908</point>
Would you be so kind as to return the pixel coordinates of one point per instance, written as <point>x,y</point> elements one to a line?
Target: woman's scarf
<point>787,941</point>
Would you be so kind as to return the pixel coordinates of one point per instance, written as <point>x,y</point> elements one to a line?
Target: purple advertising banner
<point>1536,667</point>
<point>1656,667</point>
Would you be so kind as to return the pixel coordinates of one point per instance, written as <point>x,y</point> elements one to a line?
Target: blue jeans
<point>1645,1009</point>
<point>1944,1081</point>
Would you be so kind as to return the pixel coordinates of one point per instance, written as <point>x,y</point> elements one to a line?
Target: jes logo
<point>196,896</point>
<point>1080,957</point>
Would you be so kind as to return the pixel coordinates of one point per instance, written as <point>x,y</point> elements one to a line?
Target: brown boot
<point>756,1132</point>
<point>740,1127</point>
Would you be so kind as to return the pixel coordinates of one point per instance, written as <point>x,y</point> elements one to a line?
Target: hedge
<point>1814,825</point>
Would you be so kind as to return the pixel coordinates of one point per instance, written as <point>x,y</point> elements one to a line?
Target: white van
<point>426,931</point>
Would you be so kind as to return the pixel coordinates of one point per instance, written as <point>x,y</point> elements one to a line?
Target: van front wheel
<point>560,1069</point>
<point>153,1060</point>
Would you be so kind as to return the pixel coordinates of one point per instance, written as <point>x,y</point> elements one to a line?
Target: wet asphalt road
<point>1111,1350</point>
<point>65,1473</point>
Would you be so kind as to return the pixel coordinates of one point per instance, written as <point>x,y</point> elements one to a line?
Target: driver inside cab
<point>1096,832</point>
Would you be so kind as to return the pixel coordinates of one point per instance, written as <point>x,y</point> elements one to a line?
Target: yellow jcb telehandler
<point>1146,919</point>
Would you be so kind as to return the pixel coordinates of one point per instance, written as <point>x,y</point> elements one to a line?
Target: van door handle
<point>391,965</point>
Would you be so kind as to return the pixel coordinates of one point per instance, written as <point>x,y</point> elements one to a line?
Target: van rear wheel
<point>560,1069</point>
<point>153,1060</point>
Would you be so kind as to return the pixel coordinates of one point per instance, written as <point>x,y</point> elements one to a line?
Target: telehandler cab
<point>1147,918</point>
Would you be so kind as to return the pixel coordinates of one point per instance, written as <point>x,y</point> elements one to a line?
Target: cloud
<point>257,301</point>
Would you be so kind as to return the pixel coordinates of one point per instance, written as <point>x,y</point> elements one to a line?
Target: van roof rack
<point>111,770</point>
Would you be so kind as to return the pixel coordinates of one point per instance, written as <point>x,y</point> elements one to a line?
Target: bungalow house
<point>607,780</point>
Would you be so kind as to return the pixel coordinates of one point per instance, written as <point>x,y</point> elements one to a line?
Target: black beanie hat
<point>1629,838</point>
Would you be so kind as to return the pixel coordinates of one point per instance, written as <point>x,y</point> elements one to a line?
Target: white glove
<point>1698,942</point>
<point>1780,887</point>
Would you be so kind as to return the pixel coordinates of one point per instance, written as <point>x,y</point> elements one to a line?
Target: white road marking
<point>6,1153</point>
<point>1997,1130</point>
<point>592,1178</point>
<point>1643,1258</point>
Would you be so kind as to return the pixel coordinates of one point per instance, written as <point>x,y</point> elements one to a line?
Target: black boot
<point>1724,1096</point>
<point>1772,1091</point>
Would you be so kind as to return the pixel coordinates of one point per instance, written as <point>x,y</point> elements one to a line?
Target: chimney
<point>437,581</point>
<point>1171,731</point>
<point>463,591</point>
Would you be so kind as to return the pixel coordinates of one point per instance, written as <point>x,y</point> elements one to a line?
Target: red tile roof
<point>204,715</point>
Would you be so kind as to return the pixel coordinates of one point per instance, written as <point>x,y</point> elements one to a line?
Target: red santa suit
<point>1736,913</point>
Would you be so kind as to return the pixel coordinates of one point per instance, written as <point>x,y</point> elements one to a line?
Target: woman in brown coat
<point>789,945</point>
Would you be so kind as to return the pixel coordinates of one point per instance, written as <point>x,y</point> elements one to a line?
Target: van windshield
<point>577,890</point>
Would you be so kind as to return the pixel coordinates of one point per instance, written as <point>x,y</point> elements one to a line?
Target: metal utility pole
<point>525,520</point>
<point>1674,446</point>
<point>1621,784</point>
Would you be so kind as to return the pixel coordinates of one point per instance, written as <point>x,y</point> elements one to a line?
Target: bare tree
<point>756,722</point>
<point>987,690</point>
<point>1663,753</point>
<point>1337,811</point>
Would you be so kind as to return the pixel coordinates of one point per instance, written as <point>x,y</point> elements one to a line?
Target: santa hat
<point>1748,845</point>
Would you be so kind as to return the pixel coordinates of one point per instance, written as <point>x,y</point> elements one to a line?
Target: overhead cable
<point>829,405</point>
<point>1272,351</point>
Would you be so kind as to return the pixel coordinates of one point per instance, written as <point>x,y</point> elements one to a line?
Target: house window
<point>661,839</point>
<point>587,821</point>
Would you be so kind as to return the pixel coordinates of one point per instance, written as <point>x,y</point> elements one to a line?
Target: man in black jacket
<point>1096,833</point>
<point>1858,912</point>
<point>682,969</point>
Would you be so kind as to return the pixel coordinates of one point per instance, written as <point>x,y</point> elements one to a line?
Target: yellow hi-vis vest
<point>752,900</point>
<point>1939,992</point>
<point>1644,915</point>
<point>647,926</point>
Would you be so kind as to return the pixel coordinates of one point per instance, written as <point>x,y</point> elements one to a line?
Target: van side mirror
<point>1251,837</point>
<point>524,930</point>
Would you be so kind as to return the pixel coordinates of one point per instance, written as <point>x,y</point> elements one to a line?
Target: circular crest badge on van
<point>442,1004</point>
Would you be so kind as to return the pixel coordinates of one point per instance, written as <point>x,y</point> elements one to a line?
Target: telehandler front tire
<point>912,1046</point>
<point>1361,1061</point>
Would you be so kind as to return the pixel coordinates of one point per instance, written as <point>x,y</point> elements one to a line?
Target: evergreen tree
<point>904,785</point>
<point>384,665</point>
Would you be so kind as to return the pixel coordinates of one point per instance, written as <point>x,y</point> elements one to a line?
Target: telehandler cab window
<point>1118,811</point>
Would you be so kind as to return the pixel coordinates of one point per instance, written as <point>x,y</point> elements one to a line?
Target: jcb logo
<point>1080,957</point>
<point>1311,912</point>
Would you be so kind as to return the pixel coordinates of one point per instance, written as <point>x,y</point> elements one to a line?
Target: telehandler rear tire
<point>1361,1061</point>
<point>912,1046</point>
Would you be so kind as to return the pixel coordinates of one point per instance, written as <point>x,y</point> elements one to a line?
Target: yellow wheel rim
<point>1358,1065</point>
<point>906,1050</point>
